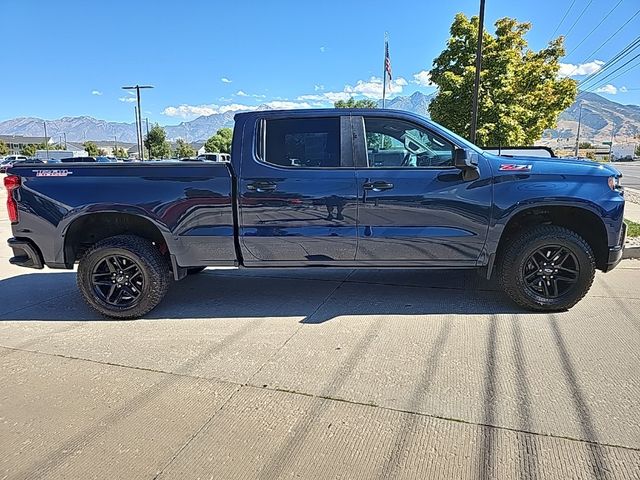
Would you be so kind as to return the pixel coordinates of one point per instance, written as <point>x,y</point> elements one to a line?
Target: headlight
<point>614,183</point>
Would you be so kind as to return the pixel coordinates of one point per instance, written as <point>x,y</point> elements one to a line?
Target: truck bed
<point>191,204</point>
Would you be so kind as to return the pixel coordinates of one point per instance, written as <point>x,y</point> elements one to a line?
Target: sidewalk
<point>632,209</point>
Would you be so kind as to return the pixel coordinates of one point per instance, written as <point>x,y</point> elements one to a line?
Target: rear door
<point>414,206</point>
<point>297,192</point>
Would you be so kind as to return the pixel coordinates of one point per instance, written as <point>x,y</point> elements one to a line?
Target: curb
<point>631,252</point>
<point>632,195</point>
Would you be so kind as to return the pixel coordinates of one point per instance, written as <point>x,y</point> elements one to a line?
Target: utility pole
<point>613,129</point>
<point>46,142</point>
<point>476,85</point>
<point>147,119</point>
<point>139,114</point>
<point>578,135</point>
<point>65,139</point>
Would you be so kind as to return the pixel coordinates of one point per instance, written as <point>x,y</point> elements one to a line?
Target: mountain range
<point>599,117</point>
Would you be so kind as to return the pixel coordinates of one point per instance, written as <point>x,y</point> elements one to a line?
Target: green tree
<point>220,142</point>
<point>353,103</point>
<point>520,92</point>
<point>157,144</point>
<point>55,146</point>
<point>637,152</point>
<point>119,152</point>
<point>91,148</point>
<point>183,149</point>
<point>4,149</point>
<point>29,150</point>
<point>585,145</point>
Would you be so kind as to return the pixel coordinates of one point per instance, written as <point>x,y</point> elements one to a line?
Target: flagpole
<point>384,70</point>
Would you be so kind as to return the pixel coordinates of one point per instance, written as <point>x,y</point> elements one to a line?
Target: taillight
<point>11,183</point>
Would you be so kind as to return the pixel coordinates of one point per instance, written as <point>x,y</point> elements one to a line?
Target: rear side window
<point>302,142</point>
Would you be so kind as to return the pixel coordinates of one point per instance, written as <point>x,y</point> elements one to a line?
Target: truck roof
<point>323,112</point>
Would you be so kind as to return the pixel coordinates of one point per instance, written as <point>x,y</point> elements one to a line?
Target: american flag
<point>387,60</point>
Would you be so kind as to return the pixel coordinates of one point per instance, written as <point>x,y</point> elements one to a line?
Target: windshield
<point>460,140</point>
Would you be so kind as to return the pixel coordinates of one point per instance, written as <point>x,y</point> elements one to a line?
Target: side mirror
<point>466,162</point>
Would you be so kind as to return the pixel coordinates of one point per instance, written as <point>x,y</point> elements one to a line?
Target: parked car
<point>105,159</point>
<point>214,157</point>
<point>323,188</point>
<point>13,160</point>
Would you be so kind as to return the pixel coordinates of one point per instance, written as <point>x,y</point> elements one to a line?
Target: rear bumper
<point>25,254</point>
<point>615,253</point>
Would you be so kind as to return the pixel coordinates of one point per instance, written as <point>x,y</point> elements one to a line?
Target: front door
<point>298,193</point>
<point>414,207</point>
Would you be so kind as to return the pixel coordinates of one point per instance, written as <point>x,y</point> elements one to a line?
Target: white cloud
<point>580,69</point>
<point>373,87</point>
<point>286,104</point>
<point>423,78</point>
<point>323,49</point>
<point>318,88</point>
<point>610,89</point>
<point>623,89</point>
<point>225,80</point>
<point>240,93</point>
<point>326,97</point>
<point>191,111</point>
<point>96,92</point>
<point>127,99</point>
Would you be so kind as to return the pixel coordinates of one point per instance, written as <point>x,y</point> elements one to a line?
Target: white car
<point>10,160</point>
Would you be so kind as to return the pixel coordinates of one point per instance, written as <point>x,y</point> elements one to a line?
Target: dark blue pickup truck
<point>322,188</point>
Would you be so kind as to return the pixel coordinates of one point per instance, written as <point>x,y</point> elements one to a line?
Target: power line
<point>577,19</point>
<point>564,16</point>
<point>595,28</point>
<point>613,35</point>
<point>622,53</point>
<point>602,81</point>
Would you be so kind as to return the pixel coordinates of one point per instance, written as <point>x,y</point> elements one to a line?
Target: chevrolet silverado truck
<point>322,188</point>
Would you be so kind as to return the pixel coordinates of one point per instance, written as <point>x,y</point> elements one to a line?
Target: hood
<point>555,165</point>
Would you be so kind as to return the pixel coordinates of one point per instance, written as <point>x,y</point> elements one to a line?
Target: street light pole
<point>138,131</point>
<point>139,115</point>
<point>476,85</point>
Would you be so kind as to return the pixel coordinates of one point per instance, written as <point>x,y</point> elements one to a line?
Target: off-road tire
<point>154,268</point>
<point>518,250</point>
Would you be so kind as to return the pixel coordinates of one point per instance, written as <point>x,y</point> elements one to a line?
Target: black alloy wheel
<point>118,280</point>
<point>551,271</point>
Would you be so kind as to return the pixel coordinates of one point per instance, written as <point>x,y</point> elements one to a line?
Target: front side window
<point>393,143</point>
<point>303,142</point>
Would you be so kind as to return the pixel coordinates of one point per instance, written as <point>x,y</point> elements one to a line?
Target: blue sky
<point>70,58</point>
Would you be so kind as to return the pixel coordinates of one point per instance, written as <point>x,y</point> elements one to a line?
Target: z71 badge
<point>52,173</point>
<point>512,167</point>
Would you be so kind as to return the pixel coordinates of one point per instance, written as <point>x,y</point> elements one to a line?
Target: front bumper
<point>615,253</point>
<point>25,254</point>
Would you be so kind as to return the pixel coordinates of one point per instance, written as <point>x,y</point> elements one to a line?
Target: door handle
<point>261,187</point>
<point>377,186</point>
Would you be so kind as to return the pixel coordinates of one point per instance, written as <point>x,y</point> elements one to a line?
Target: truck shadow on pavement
<point>316,295</point>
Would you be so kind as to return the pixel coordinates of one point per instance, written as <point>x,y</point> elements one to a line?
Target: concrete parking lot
<point>318,374</point>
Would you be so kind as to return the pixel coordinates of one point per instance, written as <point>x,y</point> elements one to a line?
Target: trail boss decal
<point>511,167</point>
<point>52,173</point>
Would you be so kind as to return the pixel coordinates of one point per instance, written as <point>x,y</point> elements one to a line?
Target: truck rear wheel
<point>123,277</point>
<point>547,268</point>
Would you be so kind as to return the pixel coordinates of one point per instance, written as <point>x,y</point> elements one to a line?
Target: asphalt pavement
<point>319,374</point>
<point>630,173</point>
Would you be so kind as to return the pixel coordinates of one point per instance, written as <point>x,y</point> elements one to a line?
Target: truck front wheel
<point>547,268</point>
<point>123,277</point>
